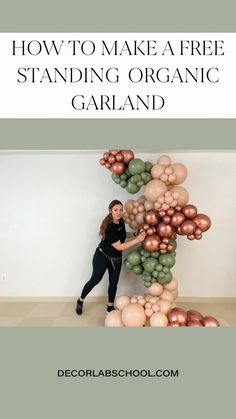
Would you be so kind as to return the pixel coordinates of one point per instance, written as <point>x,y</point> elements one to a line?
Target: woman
<point>108,254</point>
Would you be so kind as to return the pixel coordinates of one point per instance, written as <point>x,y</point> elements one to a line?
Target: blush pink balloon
<point>133,315</point>
<point>154,189</point>
<point>122,301</point>
<point>113,319</point>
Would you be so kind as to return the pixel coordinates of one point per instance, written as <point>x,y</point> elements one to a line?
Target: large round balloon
<point>151,243</point>
<point>134,257</point>
<point>180,172</point>
<point>181,195</point>
<point>128,155</point>
<point>122,301</point>
<point>154,189</point>
<point>133,315</point>
<point>113,319</point>
<point>177,314</point>
<point>136,166</point>
<point>155,289</point>
<point>202,221</point>
<point>151,217</point>
<point>158,320</point>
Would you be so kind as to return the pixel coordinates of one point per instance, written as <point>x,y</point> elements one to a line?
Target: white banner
<point>117,75</point>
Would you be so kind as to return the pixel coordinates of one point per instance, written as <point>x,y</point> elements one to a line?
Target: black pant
<point>100,265</point>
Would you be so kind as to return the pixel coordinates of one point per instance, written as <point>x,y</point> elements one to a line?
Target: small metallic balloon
<point>150,231</point>
<point>194,315</point>
<point>198,237</point>
<point>174,324</point>
<point>188,227</point>
<point>166,219</point>
<point>163,251</point>
<point>163,246</point>
<point>177,314</point>
<point>119,157</point>
<point>151,243</point>
<point>164,230</point>
<point>178,231</point>
<point>174,236</point>
<point>202,221</point>
<point>151,217</point>
<point>165,240</point>
<point>190,211</point>
<point>198,232</point>
<point>105,156</point>
<point>128,155</point>
<point>162,213</point>
<point>118,168</point>
<point>191,237</point>
<point>111,159</point>
<point>170,211</point>
<point>146,226</point>
<point>177,219</point>
<point>209,321</point>
<point>102,162</point>
<point>107,165</point>
<point>114,152</point>
<point>170,247</point>
<point>194,323</point>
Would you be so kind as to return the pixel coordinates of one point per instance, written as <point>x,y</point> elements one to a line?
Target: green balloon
<point>132,187</point>
<point>174,243</point>
<point>138,269</point>
<point>155,274</point>
<point>142,252</point>
<point>159,267</point>
<point>146,276</point>
<point>143,258</point>
<point>134,258</point>
<point>127,172</point>
<point>148,178</point>
<point>115,178</point>
<point>146,254</point>
<point>165,279</point>
<point>148,166</point>
<point>153,280</point>
<point>140,184</point>
<point>166,270</point>
<point>137,178</point>
<point>149,264</point>
<point>136,166</point>
<point>161,275</point>
<point>127,264</point>
<point>155,255</point>
<point>123,183</point>
<point>132,179</point>
<point>147,284</point>
<point>124,176</point>
<point>167,260</point>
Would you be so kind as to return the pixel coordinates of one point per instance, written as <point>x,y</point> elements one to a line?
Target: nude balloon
<point>180,172</point>
<point>133,315</point>
<point>155,290</point>
<point>172,286</point>
<point>165,160</point>
<point>148,205</point>
<point>154,189</point>
<point>183,195</point>
<point>129,205</point>
<point>113,319</point>
<point>158,320</point>
<point>122,301</point>
<point>167,295</point>
<point>157,170</point>
<point>164,306</point>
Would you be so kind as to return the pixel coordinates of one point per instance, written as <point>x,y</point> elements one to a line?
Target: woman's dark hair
<point>108,219</point>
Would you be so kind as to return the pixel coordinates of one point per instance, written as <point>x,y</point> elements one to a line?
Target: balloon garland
<point>164,213</point>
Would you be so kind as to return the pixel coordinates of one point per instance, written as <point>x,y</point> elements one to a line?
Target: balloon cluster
<point>129,172</point>
<point>179,317</point>
<point>153,267</point>
<point>144,310</point>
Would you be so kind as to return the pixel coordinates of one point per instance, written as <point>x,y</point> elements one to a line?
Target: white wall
<point>51,206</point>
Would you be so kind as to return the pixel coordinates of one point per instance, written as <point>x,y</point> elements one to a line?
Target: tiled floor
<point>63,313</point>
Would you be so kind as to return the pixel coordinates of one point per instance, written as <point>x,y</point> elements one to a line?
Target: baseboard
<point>208,300</point>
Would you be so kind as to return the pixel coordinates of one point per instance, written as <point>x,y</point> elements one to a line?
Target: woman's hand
<point>141,237</point>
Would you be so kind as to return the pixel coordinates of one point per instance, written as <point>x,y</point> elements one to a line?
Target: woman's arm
<point>124,246</point>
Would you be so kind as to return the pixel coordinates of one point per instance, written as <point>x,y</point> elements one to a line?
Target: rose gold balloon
<point>107,165</point>
<point>128,155</point>
<point>111,159</point>
<point>105,156</point>
<point>164,230</point>
<point>118,168</point>
<point>190,211</point>
<point>170,247</point>
<point>165,240</point>
<point>146,226</point>
<point>174,324</point>
<point>150,231</point>
<point>151,217</point>
<point>202,221</point>
<point>119,157</point>
<point>188,227</point>
<point>198,236</point>
<point>194,323</point>
<point>166,219</point>
<point>163,246</point>
<point>177,314</point>
<point>114,152</point>
<point>162,213</point>
<point>102,162</point>
<point>209,321</point>
<point>177,219</point>
<point>178,231</point>
<point>151,243</point>
<point>170,211</point>
<point>194,315</point>
<point>191,237</point>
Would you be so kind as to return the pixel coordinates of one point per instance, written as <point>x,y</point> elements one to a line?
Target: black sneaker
<point>79,307</point>
<point>110,308</point>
